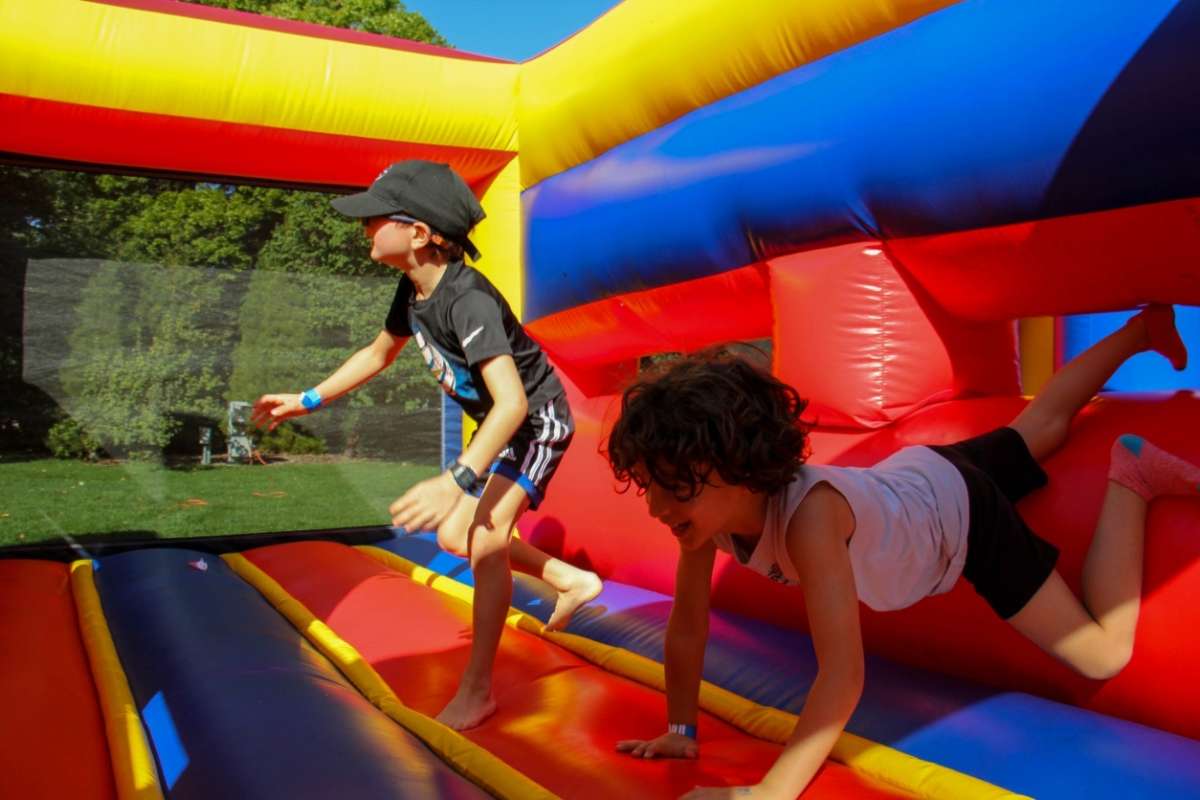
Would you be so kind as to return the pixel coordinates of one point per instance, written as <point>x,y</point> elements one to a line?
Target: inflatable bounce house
<point>919,207</point>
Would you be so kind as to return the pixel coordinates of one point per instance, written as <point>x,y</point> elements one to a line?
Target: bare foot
<point>467,711</point>
<point>1162,335</point>
<point>582,590</point>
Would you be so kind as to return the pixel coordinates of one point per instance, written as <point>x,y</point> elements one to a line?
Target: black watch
<point>464,476</point>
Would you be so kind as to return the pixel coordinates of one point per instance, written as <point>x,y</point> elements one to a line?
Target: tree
<point>388,17</point>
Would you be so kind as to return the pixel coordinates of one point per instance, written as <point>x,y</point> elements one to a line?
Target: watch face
<point>464,476</point>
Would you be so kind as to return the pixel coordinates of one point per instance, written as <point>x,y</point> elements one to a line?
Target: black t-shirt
<point>464,322</point>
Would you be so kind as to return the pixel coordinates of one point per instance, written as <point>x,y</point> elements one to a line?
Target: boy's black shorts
<point>533,454</point>
<point>1006,561</point>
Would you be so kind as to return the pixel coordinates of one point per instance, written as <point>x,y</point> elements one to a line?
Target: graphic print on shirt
<point>454,380</point>
<point>776,574</point>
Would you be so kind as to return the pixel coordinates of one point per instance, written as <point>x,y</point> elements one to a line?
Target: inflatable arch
<point>878,187</point>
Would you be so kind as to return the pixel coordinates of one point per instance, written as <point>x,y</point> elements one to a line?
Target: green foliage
<point>290,438</point>
<point>373,16</point>
<point>202,226</point>
<point>68,439</point>
<point>140,356</point>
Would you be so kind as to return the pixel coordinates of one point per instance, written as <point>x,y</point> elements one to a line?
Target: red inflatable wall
<point>875,346</point>
<point>866,347</point>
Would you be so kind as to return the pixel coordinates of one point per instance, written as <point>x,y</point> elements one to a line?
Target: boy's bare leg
<point>574,586</point>
<point>487,542</point>
<point>1096,637</point>
<point>1045,421</point>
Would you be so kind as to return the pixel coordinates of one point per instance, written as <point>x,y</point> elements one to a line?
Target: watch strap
<point>464,476</point>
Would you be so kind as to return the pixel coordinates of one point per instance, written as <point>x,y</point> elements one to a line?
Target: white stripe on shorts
<point>543,436</point>
<point>547,453</point>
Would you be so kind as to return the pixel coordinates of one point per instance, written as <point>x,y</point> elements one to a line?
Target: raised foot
<point>584,590</point>
<point>1162,335</point>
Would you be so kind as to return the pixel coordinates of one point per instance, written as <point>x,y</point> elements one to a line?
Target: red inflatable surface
<point>54,743</point>
<point>559,717</point>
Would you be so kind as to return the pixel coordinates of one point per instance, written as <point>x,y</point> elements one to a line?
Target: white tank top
<point>910,527</point>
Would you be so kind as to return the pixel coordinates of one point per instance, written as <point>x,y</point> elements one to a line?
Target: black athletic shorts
<point>1006,561</point>
<point>533,454</point>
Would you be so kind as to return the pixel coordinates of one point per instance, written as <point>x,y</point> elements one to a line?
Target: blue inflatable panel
<point>1020,742</point>
<point>1146,372</point>
<point>238,704</point>
<point>984,113</point>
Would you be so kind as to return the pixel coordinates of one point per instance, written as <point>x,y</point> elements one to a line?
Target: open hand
<point>272,409</point>
<point>424,506</point>
<point>669,745</point>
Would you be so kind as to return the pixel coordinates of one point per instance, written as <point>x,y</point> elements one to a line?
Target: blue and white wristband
<point>310,399</point>
<point>682,729</point>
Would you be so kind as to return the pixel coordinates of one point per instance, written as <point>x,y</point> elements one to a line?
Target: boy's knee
<point>452,539</point>
<point>1108,663</point>
<point>487,541</point>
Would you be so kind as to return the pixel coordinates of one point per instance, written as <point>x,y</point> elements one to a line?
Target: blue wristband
<point>682,729</point>
<point>310,399</point>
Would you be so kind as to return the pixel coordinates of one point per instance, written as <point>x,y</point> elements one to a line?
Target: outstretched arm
<point>817,535</point>
<point>272,409</point>
<point>817,545</point>
<point>687,634</point>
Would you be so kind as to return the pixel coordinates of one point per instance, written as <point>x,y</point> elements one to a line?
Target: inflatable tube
<point>237,703</point>
<point>887,140</point>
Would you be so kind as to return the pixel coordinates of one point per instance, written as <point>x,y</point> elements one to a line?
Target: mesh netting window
<point>139,316</point>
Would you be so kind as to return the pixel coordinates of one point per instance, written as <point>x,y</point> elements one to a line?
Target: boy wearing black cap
<point>418,216</point>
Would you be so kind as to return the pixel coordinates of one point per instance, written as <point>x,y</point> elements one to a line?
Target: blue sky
<point>512,29</point>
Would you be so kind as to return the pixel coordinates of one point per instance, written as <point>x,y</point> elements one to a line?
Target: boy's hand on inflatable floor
<point>424,506</point>
<point>669,745</point>
<point>272,409</point>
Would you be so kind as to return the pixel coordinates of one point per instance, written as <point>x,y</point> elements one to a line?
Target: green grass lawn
<point>42,500</point>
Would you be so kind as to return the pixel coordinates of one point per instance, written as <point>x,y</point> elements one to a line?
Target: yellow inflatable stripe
<point>646,63</point>
<point>1037,353</point>
<point>499,239</point>
<point>499,236</point>
<point>134,771</point>
<point>909,774</point>
<point>122,58</point>
<point>468,758</point>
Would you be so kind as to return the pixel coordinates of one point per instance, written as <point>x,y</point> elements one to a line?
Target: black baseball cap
<point>424,190</point>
